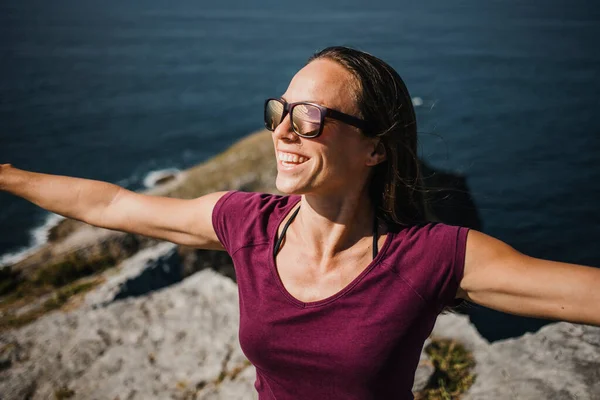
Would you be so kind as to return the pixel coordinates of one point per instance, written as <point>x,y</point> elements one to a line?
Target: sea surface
<point>507,94</point>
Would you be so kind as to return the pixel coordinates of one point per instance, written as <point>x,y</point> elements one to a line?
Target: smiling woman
<point>341,278</point>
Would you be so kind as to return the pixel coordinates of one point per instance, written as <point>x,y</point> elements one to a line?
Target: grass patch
<point>60,297</point>
<point>63,393</point>
<point>72,268</point>
<point>453,371</point>
<point>56,301</point>
<point>9,280</point>
<point>15,288</point>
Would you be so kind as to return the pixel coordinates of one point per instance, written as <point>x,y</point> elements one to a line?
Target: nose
<point>284,130</point>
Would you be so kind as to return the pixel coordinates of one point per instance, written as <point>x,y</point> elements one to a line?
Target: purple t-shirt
<point>361,343</point>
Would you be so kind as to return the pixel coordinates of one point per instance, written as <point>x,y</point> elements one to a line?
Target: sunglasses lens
<point>273,113</point>
<point>306,120</point>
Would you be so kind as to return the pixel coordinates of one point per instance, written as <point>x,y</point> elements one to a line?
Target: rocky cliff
<point>138,319</point>
<point>180,342</point>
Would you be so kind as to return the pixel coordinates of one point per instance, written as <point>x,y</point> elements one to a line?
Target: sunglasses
<point>307,118</point>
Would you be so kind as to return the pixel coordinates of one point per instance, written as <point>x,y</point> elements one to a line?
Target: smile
<point>289,159</point>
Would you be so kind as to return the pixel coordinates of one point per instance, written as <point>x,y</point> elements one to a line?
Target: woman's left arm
<point>499,277</point>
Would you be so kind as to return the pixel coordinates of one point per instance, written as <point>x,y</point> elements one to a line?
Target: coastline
<point>114,307</point>
<point>51,229</point>
<point>192,182</point>
<point>75,250</point>
<point>247,165</point>
<point>39,235</point>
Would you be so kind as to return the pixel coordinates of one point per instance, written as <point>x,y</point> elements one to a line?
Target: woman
<point>341,279</point>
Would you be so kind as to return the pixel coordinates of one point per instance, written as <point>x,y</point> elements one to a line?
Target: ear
<point>377,155</point>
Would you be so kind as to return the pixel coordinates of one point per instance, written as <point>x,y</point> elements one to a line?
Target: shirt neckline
<point>303,304</point>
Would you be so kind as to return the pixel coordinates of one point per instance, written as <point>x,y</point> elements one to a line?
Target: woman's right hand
<point>103,204</point>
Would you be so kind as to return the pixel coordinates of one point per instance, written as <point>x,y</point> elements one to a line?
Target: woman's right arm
<point>103,204</point>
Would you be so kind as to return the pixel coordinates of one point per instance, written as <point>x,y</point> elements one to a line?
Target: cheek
<point>339,154</point>
<point>348,152</point>
<point>342,164</point>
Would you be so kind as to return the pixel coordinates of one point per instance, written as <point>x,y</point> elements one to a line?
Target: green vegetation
<point>248,164</point>
<point>9,280</point>
<point>15,285</point>
<point>453,371</point>
<point>72,268</point>
<point>45,272</point>
<point>57,280</point>
<point>54,302</point>
<point>63,393</point>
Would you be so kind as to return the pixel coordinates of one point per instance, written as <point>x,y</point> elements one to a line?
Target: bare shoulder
<point>486,258</point>
<point>482,248</point>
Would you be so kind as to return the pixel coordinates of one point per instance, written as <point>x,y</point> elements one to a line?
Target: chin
<point>286,186</point>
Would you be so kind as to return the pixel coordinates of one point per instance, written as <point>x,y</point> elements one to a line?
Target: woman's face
<point>338,160</point>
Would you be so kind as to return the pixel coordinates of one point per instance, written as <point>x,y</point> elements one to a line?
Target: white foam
<point>39,237</point>
<point>417,101</point>
<point>153,177</point>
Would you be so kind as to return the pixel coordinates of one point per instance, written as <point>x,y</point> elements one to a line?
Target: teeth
<point>290,158</point>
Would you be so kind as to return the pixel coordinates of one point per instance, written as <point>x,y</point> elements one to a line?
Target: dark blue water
<point>114,90</point>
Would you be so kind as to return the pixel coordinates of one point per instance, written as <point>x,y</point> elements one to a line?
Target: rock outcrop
<point>180,342</point>
<point>247,165</point>
<point>156,328</point>
<point>559,362</point>
<point>76,250</point>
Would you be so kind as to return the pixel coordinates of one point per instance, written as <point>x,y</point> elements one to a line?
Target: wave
<point>149,180</point>
<point>154,178</point>
<point>417,101</point>
<point>39,237</point>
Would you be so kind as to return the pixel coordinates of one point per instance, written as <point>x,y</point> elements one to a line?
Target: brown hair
<point>384,102</point>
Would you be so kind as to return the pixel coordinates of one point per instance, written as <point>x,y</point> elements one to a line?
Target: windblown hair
<point>384,102</point>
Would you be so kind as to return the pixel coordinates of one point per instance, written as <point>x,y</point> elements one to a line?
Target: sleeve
<point>434,261</point>
<point>220,225</point>
<point>242,218</point>
<point>452,243</point>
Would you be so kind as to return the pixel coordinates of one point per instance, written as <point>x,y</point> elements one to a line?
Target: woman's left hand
<point>499,277</point>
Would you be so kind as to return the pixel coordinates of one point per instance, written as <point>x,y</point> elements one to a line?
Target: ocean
<point>507,94</point>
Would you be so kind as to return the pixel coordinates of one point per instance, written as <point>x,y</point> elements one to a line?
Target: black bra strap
<point>285,228</point>
<point>375,234</point>
<point>289,221</point>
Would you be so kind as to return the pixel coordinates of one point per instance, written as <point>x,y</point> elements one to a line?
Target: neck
<point>330,225</point>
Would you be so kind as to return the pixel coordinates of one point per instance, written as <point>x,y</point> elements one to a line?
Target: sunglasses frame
<point>323,111</point>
